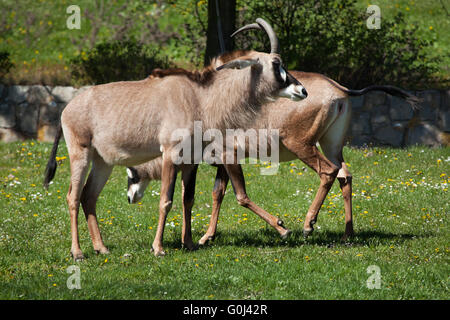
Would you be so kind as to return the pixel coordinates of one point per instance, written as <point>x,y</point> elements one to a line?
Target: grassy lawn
<point>400,207</point>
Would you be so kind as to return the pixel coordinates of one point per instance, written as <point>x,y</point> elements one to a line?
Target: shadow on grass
<point>270,238</point>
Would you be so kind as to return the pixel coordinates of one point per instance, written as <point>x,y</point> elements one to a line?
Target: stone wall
<point>381,119</point>
<point>378,118</point>
<point>32,112</point>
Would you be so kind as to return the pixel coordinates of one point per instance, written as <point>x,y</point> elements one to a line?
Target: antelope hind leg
<point>220,186</point>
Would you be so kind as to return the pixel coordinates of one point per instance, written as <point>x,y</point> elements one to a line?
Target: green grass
<point>400,207</point>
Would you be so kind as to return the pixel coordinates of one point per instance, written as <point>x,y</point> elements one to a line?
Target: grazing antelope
<point>323,117</point>
<point>128,123</point>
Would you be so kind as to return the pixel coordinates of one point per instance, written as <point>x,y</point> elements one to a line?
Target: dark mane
<point>228,56</point>
<point>202,77</point>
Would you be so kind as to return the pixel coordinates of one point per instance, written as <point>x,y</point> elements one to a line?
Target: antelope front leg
<point>238,182</point>
<point>220,186</point>
<point>189,174</point>
<point>168,179</point>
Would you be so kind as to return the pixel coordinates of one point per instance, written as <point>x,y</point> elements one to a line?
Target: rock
<point>39,95</point>
<point>17,94</point>
<point>380,120</point>
<point>400,125</point>
<point>444,111</point>
<point>357,102</point>
<point>360,124</point>
<point>373,99</point>
<point>46,133</point>
<point>7,115</point>
<point>10,135</point>
<point>360,140</point>
<point>387,135</point>
<point>50,114</point>
<point>444,120</point>
<point>82,89</point>
<point>430,104</point>
<point>424,134</point>
<point>27,115</point>
<point>400,109</point>
<point>64,94</point>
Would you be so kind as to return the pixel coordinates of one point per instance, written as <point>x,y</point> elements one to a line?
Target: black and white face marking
<point>136,186</point>
<point>290,87</point>
<point>283,73</point>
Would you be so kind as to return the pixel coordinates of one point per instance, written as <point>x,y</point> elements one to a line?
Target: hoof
<point>189,247</point>
<point>158,252</point>
<point>286,234</point>
<point>345,237</point>
<point>103,250</point>
<point>205,239</point>
<point>77,257</point>
<point>307,232</point>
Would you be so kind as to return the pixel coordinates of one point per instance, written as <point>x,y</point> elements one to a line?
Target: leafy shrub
<point>331,37</point>
<point>115,61</point>
<point>5,63</point>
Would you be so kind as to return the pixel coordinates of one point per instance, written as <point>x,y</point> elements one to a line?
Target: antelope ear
<point>238,64</point>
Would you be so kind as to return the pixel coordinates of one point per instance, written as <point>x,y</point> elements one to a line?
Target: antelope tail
<point>50,170</point>
<point>392,90</point>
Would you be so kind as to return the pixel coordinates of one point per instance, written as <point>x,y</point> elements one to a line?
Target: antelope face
<point>136,185</point>
<point>290,87</point>
<point>270,77</point>
<point>280,82</point>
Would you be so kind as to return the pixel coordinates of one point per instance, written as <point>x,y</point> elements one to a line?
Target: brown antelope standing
<point>323,117</point>
<point>128,123</point>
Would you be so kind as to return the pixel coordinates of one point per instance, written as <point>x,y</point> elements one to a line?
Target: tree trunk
<point>227,12</point>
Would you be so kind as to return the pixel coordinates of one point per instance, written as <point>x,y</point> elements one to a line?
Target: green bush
<point>5,63</point>
<point>115,61</point>
<point>331,37</point>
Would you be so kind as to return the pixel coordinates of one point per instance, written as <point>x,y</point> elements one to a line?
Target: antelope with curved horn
<point>321,118</point>
<point>128,123</point>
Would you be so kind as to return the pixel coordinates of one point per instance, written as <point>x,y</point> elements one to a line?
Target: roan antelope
<point>128,123</point>
<point>323,117</point>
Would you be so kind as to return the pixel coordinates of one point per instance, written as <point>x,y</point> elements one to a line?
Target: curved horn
<point>246,27</point>
<point>274,46</point>
<point>264,25</point>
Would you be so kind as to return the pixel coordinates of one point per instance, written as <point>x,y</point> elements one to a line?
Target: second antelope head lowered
<point>268,66</point>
